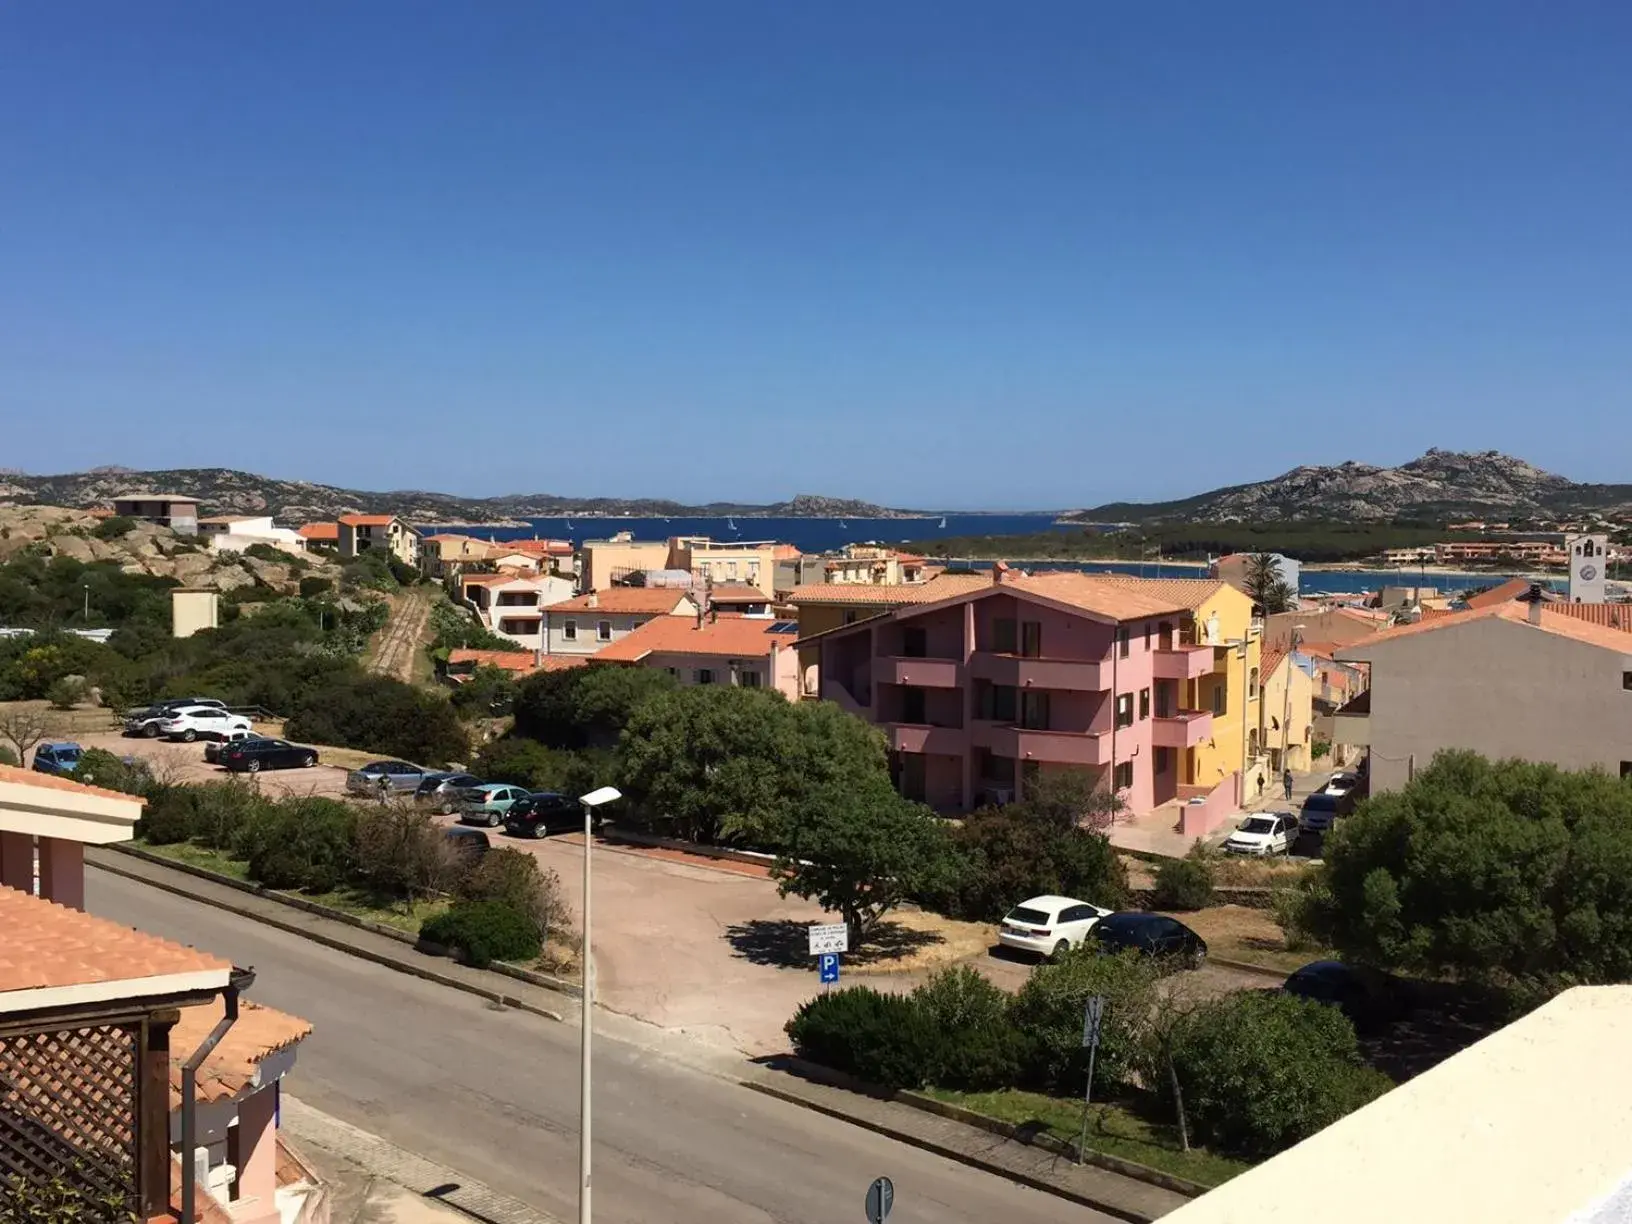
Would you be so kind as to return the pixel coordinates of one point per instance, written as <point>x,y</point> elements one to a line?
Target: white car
<point>1343,783</point>
<point>1048,925</point>
<point>190,722</point>
<point>1264,833</point>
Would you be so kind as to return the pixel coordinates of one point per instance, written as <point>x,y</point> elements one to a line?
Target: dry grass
<point>932,942</point>
<point>1238,932</point>
<point>1238,871</point>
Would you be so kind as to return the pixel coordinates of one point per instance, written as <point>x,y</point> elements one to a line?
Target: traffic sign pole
<point>1092,1016</point>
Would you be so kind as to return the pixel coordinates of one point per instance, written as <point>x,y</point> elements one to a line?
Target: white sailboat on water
<point>943,522</point>
<point>730,523</point>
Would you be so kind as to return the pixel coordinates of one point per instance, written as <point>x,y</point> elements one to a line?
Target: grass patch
<point>1241,933</point>
<point>217,861</point>
<point>1114,1130</point>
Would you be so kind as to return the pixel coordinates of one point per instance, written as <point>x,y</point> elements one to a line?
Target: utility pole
<point>589,802</point>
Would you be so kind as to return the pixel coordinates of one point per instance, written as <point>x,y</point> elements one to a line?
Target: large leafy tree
<point>585,706</point>
<point>1510,870</point>
<point>1265,586</point>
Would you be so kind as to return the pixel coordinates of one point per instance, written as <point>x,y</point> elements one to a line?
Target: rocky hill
<point>1438,486</point>
<point>226,491</point>
<point>149,549</point>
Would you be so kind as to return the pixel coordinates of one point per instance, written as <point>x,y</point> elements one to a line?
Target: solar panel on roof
<point>785,627</point>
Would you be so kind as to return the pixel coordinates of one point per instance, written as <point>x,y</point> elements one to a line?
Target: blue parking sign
<point>828,964</point>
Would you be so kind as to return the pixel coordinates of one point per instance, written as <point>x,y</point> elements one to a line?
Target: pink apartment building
<point>980,692</point>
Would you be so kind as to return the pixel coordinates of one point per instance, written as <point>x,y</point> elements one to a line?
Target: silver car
<point>386,777</point>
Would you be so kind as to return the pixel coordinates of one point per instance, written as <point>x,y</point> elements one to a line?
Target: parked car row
<point>1051,926</point>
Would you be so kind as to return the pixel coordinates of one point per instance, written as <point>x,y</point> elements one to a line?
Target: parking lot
<point>185,763</point>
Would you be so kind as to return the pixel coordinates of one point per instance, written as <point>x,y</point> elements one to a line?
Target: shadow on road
<point>785,944</point>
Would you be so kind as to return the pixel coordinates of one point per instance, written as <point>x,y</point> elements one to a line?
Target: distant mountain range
<point>1440,486</point>
<point>226,491</point>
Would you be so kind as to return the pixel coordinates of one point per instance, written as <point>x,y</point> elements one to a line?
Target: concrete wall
<point>602,557</point>
<point>191,611</point>
<point>1501,688</point>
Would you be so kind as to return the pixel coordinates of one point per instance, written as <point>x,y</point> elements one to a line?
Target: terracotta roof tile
<point>47,946</point>
<point>509,660</point>
<point>541,548</point>
<point>1118,599</point>
<point>28,777</point>
<point>736,592</point>
<point>1610,615</point>
<point>319,531</point>
<point>785,552</point>
<point>946,586</point>
<point>367,520</point>
<point>651,600</point>
<point>733,637</point>
<point>1268,661</point>
<point>500,579</point>
<point>1511,589</point>
<point>1565,625</point>
<point>230,1068</point>
<point>1189,593</point>
<point>559,662</point>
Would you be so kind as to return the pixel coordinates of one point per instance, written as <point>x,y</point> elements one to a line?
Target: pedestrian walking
<point>1286,781</point>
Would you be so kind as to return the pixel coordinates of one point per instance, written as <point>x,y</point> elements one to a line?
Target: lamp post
<point>1286,705</point>
<point>86,615</point>
<point>590,802</point>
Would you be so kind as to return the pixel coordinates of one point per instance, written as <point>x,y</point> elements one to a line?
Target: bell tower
<point>1589,558</point>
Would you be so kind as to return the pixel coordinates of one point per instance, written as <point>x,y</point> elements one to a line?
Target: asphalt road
<point>494,1093</point>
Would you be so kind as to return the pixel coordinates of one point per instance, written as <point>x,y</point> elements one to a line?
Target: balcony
<point>923,673</point>
<point>920,737</point>
<point>1076,675</point>
<point>1184,729</point>
<point>1053,747</point>
<point>1183,662</point>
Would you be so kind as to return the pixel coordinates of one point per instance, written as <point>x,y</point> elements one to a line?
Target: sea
<point>826,534</point>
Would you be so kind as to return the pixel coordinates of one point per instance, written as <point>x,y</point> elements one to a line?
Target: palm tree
<point>1265,585</point>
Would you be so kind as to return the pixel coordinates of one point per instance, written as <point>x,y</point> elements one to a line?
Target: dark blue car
<point>57,758</point>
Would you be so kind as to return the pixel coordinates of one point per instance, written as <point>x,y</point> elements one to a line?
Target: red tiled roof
<point>1188,593</point>
<point>367,520</point>
<point>733,637</point>
<point>737,592</point>
<point>509,660</point>
<point>785,552</point>
<point>542,548</point>
<point>1567,625</point>
<point>259,1032</point>
<point>559,662</point>
<point>319,531</point>
<point>1511,589</point>
<point>49,946</point>
<point>864,594</point>
<point>1268,661</point>
<point>28,777</point>
<point>502,578</point>
<point>654,601</point>
<point>1117,599</point>
<point>1610,615</point>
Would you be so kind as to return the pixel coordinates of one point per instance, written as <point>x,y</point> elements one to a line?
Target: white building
<point>236,532</point>
<point>587,624</point>
<point>1589,559</point>
<point>512,605</point>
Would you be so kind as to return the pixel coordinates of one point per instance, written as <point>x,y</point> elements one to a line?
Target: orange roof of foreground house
<point>736,637</point>
<point>1188,593</point>
<point>503,577</point>
<point>541,548</point>
<point>509,660</point>
<point>50,948</point>
<point>1611,616</point>
<point>785,552</point>
<point>368,520</point>
<point>1509,590</point>
<point>1117,600</point>
<point>1573,627</point>
<point>945,586</point>
<point>319,531</point>
<point>28,777</point>
<point>559,662</point>
<point>654,601</point>
<point>233,1065</point>
<point>736,593</point>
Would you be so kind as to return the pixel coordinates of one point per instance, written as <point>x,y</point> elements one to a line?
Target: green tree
<point>858,849</point>
<point>378,714</point>
<point>584,706</point>
<point>524,762</point>
<point>1049,1009</point>
<point>1009,854</point>
<point>1502,871</point>
<point>489,692</point>
<point>1265,586</point>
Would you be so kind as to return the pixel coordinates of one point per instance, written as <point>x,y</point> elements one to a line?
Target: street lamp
<point>590,802</point>
<point>1286,711</point>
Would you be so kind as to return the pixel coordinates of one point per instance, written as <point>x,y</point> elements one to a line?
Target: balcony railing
<point>921,737</point>
<point>1075,675</point>
<point>1053,747</point>
<point>1181,662</point>
<point>1182,729</point>
<point>924,673</point>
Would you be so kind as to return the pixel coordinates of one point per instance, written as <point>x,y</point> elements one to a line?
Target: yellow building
<point>361,532</point>
<point>1286,715</point>
<point>751,562</point>
<point>448,553</point>
<point>870,563</point>
<point>607,562</point>
<point>1221,618</point>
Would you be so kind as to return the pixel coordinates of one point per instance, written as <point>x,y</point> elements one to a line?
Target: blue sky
<point>963,255</point>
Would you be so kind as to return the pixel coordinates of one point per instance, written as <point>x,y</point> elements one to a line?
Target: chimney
<point>699,614</point>
<point>594,599</point>
<point>1534,598</point>
<point>999,570</point>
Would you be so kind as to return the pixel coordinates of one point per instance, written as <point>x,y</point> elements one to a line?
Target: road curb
<point>949,1153</point>
<point>328,941</point>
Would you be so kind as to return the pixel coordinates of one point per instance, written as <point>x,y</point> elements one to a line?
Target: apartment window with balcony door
<point>730,569</point>
<point>1218,698</point>
<point>569,630</point>
<point>1123,776</point>
<point>1031,639</point>
<point>748,679</point>
<point>1122,641</point>
<point>1165,698</point>
<point>1124,710</point>
<point>994,768</point>
<point>1164,636</point>
<point>603,631</point>
<point>1162,762</point>
<point>1144,704</point>
<point>914,642</point>
<point>1003,635</point>
<point>1004,703</point>
<point>850,617</point>
<point>1034,711</point>
<point>912,705</point>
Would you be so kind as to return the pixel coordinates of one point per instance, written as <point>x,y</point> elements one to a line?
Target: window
<point>569,630</point>
<point>603,631</point>
<point>1003,635</point>
<point>748,679</point>
<point>1122,777</point>
<point>1252,684</point>
<point>1031,639</point>
<point>1034,711</point>
<point>1626,680</point>
<point>1218,699</point>
<point>1122,641</point>
<point>1147,635</point>
<point>1003,702</point>
<point>673,671</point>
<point>850,617</point>
<point>703,675</point>
<point>1124,710</point>
<point>730,569</point>
<point>914,643</point>
<point>912,705</point>
<point>994,768</point>
<point>1144,704</point>
<point>1626,769</point>
<point>1163,760</point>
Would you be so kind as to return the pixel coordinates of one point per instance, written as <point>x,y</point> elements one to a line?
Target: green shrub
<point>403,852</point>
<point>1008,854</point>
<point>314,584</point>
<point>1261,1070</point>
<point>982,1049</point>
<point>379,714</point>
<point>515,879</point>
<point>168,816</point>
<point>115,527</point>
<point>99,767</point>
<point>1184,884</point>
<point>483,932</point>
<point>884,1039</point>
<point>1049,1010</point>
<point>487,693</point>
<point>305,843</point>
<point>522,762</point>
<point>65,692</point>
<point>221,811</point>
<point>7,756</point>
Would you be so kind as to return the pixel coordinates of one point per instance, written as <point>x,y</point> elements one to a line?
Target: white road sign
<point>829,937</point>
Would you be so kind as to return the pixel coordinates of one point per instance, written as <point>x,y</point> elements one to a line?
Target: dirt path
<point>393,649</point>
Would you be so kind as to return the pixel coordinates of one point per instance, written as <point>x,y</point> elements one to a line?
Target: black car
<point>543,813</point>
<point>1367,998</point>
<point>254,755</point>
<point>1154,935</point>
<point>1322,809</point>
<point>468,844</point>
<point>437,790</point>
